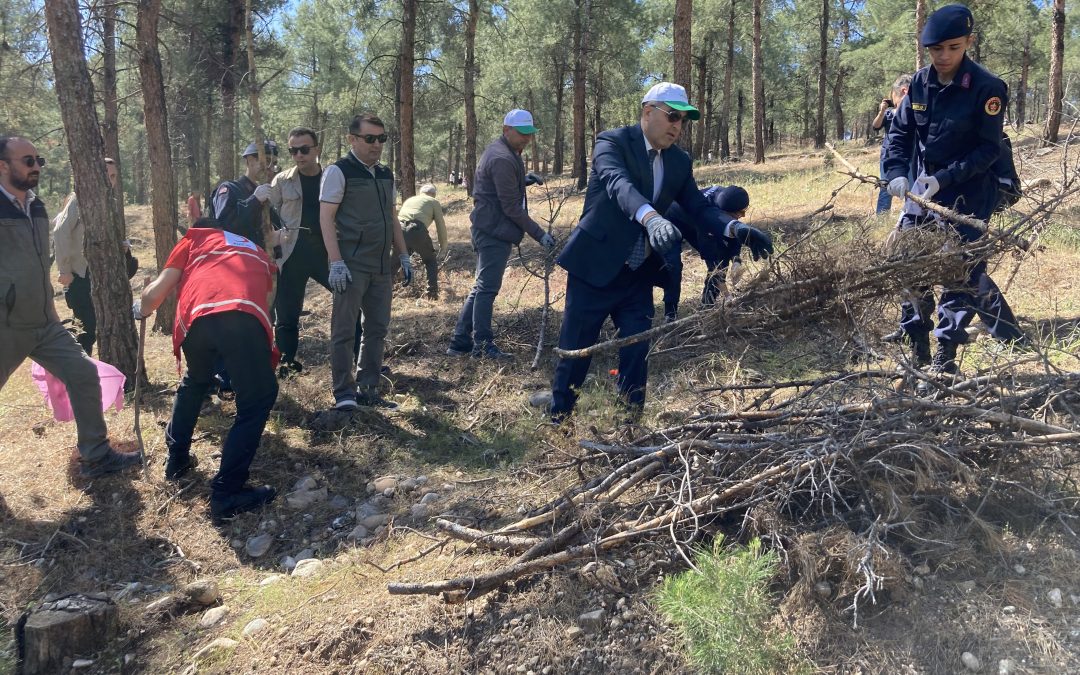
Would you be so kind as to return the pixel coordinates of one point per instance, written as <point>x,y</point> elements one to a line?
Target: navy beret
<point>732,199</point>
<point>270,148</point>
<point>948,23</point>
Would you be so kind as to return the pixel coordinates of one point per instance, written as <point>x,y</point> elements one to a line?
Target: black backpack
<point>1004,170</point>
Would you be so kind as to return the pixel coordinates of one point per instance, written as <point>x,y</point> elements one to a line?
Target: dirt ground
<point>467,428</point>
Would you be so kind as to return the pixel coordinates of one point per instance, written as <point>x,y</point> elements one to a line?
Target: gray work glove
<point>662,234</point>
<point>262,192</point>
<point>339,276</point>
<point>533,178</point>
<point>547,241</point>
<point>760,242</point>
<point>406,268</point>
<point>136,311</point>
<point>899,187</point>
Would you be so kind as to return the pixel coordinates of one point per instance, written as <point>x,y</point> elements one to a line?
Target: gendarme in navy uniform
<point>238,203</point>
<point>952,120</point>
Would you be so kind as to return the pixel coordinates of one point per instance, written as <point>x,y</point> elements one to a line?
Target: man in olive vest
<point>358,218</point>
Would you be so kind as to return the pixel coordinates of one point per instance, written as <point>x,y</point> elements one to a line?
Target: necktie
<point>641,247</point>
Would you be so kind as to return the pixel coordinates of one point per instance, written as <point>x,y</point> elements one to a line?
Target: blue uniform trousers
<point>628,301</point>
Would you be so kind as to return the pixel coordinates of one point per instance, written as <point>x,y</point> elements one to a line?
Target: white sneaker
<point>346,404</point>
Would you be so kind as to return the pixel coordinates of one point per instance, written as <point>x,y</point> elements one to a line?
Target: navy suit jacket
<point>620,182</point>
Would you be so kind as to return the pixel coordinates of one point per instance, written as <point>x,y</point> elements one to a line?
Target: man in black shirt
<point>295,195</point>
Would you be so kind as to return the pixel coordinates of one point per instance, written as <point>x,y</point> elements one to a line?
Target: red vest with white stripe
<point>224,273</point>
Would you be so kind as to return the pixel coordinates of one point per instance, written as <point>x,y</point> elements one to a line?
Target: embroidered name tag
<point>236,240</point>
<point>921,107</point>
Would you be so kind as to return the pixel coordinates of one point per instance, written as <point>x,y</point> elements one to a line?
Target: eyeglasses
<point>673,117</point>
<point>371,138</point>
<point>303,149</point>
<point>28,161</point>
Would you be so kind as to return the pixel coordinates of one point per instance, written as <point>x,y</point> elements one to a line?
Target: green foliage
<point>721,610</point>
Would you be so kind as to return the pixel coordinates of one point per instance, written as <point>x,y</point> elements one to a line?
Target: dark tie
<point>641,247</point>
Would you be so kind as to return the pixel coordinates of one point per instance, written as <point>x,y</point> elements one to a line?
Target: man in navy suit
<point>615,251</point>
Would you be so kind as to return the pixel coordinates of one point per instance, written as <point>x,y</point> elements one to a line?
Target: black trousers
<point>239,340</point>
<point>308,261</point>
<point>77,297</point>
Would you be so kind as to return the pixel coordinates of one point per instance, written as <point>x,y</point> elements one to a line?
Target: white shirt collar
<point>30,197</point>
<point>369,167</point>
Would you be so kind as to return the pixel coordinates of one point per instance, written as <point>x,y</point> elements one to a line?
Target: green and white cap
<point>521,120</point>
<point>673,96</point>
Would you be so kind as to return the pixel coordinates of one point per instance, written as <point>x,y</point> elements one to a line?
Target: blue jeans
<point>240,341</point>
<point>884,199</point>
<point>474,322</point>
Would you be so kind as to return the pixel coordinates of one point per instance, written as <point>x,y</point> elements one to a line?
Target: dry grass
<point>468,426</point>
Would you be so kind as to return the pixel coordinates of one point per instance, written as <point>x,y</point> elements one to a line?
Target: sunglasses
<point>672,116</point>
<point>29,161</point>
<point>303,149</point>
<point>371,138</point>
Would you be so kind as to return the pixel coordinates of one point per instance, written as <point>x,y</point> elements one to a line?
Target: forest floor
<point>467,427</point>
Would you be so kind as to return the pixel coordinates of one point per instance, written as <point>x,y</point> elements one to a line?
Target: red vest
<point>222,272</point>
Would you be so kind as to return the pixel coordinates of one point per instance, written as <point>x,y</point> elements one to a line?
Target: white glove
<point>136,311</point>
<point>339,277</point>
<point>547,241</point>
<point>899,187</point>
<point>262,192</point>
<point>406,268</point>
<point>929,185</point>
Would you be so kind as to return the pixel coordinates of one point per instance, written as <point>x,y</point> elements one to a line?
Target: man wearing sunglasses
<point>29,325</point>
<point>614,253</point>
<point>294,194</point>
<point>238,203</point>
<point>360,229</point>
<point>500,220</point>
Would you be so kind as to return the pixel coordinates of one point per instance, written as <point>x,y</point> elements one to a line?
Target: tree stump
<point>60,630</point>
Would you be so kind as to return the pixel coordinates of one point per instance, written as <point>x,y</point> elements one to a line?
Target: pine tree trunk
<point>920,21</point>
<point>838,86</point>
<point>1057,63</point>
<point>738,125</point>
<point>155,115</point>
<point>110,128</point>
<point>584,15</point>
<point>758,81</point>
<point>110,292</point>
<point>230,47</point>
<point>702,76</point>
<point>407,186</point>
<point>1021,88</point>
<point>725,104</point>
<point>683,42</point>
<point>558,153</point>
<point>823,65</point>
<point>470,93</point>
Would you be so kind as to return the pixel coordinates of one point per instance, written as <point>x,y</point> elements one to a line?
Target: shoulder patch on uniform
<point>965,81</point>
<point>993,106</point>
<point>918,106</point>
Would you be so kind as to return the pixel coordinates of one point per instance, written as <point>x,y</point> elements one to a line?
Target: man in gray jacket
<point>29,325</point>
<point>500,221</point>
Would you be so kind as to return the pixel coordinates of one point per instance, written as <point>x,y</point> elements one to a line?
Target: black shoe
<point>289,368</point>
<point>374,401</point>
<point>945,359</point>
<point>490,351</point>
<point>897,335</point>
<point>456,349</point>
<point>922,351</point>
<point>177,466</point>
<point>112,462</point>
<point>224,506</point>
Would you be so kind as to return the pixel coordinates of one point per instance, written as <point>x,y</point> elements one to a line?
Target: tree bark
<point>1022,86</point>
<point>823,66</point>
<point>1057,63</point>
<point>729,70</point>
<point>581,33</point>
<point>738,125</point>
<point>558,153</point>
<point>408,60</point>
<point>841,77</point>
<point>758,81</point>
<point>698,150</point>
<point>110,291</point>
<point>155,115</point>
<point>682,42</point>
<point>920,21</point>
<point>230,47</point>
<point>470,94</point>
<point>110,128</point>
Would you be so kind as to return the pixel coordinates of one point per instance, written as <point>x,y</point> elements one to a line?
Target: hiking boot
<point>224,506</point>
<point>490,351</point>
<point>375,401</point>
<point>945,359</point>
<point>289,368</point>
<point>921,346</point>
<point>459,349</point>
<point>896,336</point>
<point>176,466</point>
<point>112,462</point>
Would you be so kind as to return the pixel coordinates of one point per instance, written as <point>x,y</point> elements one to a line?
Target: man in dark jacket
<point>500,220</point>
<point>29,325</point>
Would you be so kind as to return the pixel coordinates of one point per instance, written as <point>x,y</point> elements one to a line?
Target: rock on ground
<point>213,615</point>
<point>202,592</point>
<point>257,547</point>
<point>255,626</point>
<point>307,568</point>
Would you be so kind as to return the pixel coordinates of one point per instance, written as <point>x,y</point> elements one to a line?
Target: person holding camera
<point>883,121</point>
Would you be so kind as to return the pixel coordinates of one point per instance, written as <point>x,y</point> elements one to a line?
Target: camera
<point>887,101</point>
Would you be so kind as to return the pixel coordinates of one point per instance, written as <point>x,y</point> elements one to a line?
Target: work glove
<point>406,268</point>
<point>262,192</point>
<point>760,242</point>
<point>136,311</point>
<point>662,234</point>
<point>899,187</point>
<point>929,185</point>
<point>339,276</point>
<point>533,178</point>
<point>547,241</point>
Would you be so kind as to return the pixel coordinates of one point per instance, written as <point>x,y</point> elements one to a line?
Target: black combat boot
<point>921,347</point>
<point>945,359</point>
